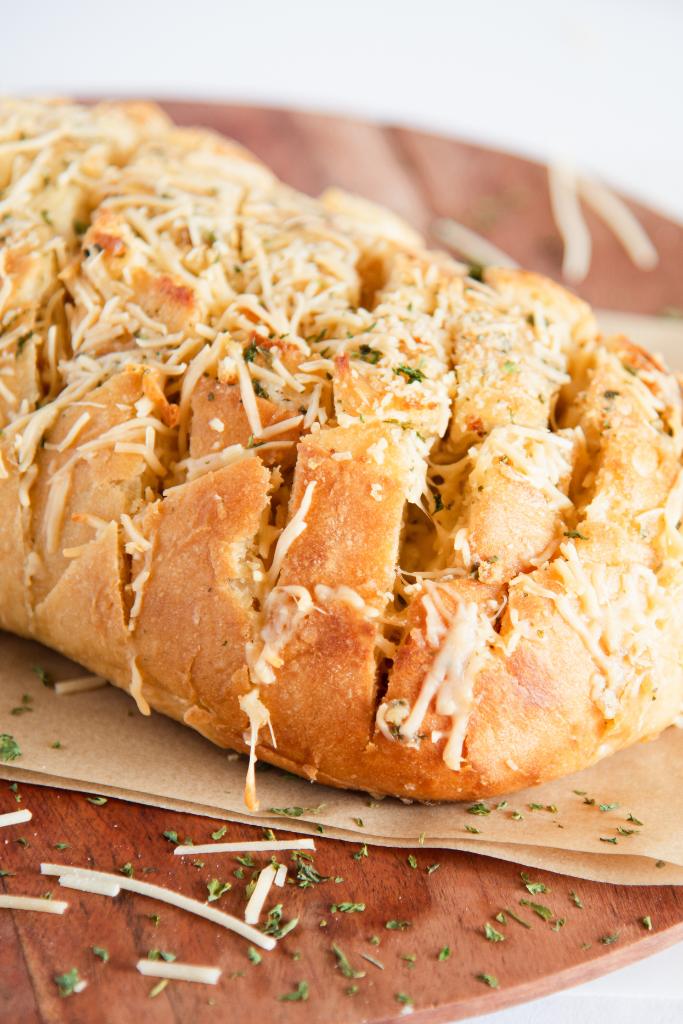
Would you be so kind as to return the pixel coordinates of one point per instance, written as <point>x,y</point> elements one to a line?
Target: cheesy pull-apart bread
<point>285,475</point>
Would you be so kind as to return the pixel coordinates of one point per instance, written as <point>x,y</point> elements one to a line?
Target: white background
<point>599,83</point>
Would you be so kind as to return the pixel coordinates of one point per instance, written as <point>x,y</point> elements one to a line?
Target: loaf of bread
<point>321,494</point>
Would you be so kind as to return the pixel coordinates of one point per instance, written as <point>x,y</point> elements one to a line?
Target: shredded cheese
<point>15,817</point>
<point>30,903</point>
<point>450,679</point>
<point>623,223</point>
<point>564,201</point>
<point>158,892</point>
<point>177,971</point>
<point>96,886</point>
<point>252,911</point>
<point>294,528</point>
<point>474,247</point>
<point>257,846</point>
<point>81,685</point>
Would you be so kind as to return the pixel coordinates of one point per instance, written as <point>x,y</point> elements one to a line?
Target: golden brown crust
<point>455,571</point>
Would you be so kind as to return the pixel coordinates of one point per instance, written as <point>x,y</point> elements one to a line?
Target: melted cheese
<point>135,689</point>
<point>626,621</point>
<point>294,528</point>
<point>259,716</point>
<point>450,679</point>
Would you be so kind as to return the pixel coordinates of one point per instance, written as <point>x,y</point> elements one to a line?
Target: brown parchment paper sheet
<point>108,747</point>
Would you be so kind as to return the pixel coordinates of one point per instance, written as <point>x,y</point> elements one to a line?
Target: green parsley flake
<point>254,955</point>
<point>295,812</point>
<point>101,952</point>
<point>479,808</point>
<point>347,908</point>
<point>127,869</point>
<point>488,979</point>
<point>576,900</point>
<point>646,923</point>
<point>492,934</point>
<point>171,835</point>
<point>98,801</point>
<point>403,998</point>
<point>45,677</point>
<point>444,954</point>
<point>219,833</point>
<point>533,887</point>
<point>9,748</point>
<point>412,861</point>
<point>515,917</point>
<point>161,954</point>
<point>216,889</point>
<point>538,908</point>
<point>411,373</point>
<point>307,875</point>
<point>343,964</point>
<point>396,926</point>
<point>274,925</point>
<point>609,940</point>
<point>362,852</point>
<point>368,354</point>
<point>69,982</point>
<point>299,995</point>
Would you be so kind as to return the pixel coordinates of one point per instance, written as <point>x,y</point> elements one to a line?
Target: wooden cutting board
<point>421,176</point>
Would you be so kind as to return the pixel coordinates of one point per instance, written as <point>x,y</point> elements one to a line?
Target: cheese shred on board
<point>179,972</point>
<point>86,876</point>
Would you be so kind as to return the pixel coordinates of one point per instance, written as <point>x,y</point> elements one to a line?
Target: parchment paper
<point>107,747</point>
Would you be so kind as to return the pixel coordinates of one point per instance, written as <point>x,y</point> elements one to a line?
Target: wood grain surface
<point>421,176</point>
<point>448,907</point>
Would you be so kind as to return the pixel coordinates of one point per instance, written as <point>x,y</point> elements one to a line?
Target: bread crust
<point>295,481</point>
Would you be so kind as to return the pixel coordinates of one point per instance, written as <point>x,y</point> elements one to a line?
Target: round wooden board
<point>448,907</point>
<point>421,176</point>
